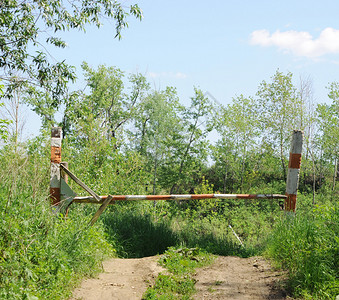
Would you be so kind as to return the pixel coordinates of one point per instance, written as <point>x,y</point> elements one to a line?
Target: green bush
<point>307,245</point>
<point>136,230</point>
<point>178,282</point>
<point>42,255</point>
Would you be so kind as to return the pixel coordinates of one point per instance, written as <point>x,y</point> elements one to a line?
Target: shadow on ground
<point>136,235</point>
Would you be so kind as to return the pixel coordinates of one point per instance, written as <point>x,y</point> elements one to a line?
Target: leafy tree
<point>96,123</point>
<point>3,127</point>
<point>3,122</point>
<point>29,28</point>
<point>157,124</point>
<point>328,121</point>
<point>190,147</point>
<point>279,109</point>
<point>13,112</point>
<point>107,104</point>
<point>237,123</point>
<point>308,125</point>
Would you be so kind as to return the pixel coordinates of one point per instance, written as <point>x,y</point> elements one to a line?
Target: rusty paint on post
<point>295,161</point>
<point>56,136</point>
<point>294,164</point>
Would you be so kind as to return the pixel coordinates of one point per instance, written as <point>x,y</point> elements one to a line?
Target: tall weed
<point>137,231</point>
<point>41,255</point>
<point>307,245</point>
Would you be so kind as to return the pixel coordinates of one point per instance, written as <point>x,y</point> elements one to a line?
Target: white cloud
<point>299,43</point>
<point>153,74</point>
<point>178,75</point>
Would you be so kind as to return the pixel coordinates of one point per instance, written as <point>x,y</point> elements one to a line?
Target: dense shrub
<point>307,245</point>
<point>137,230</point>
<point>42,255</point>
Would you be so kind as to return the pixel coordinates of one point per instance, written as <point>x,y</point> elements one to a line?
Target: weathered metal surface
<point>292,181</point>
<point>294,164</point>
<point>66,194</point>
<point>56,142</point>
<point>79,182</point>
<point>90,199</point>
<point>101,210</point>
<point>290,203</point>
<point>55,175</point>
<point>56,135</point>
<point>63,174</point>
<point>56,132</point>
<point>54,195</point>
<point>294,161</point>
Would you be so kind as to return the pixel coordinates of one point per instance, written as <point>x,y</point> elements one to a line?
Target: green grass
<point>135,231</point>
<point>307,245</point>
<point>178,282</point>
<point>142,229</point>
<point>42,255</point>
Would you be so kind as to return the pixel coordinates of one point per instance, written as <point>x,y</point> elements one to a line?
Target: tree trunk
<point>16,122</point>
<point>155,175</point>
<point>225,179</point>
<point>335,173</point>
<point>143,134</point>
<point>313,171</point>
<point>175,187</point>
<point>283,164</point>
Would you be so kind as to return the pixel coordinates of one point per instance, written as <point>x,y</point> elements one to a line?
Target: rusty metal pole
<point>294,163</point>
<point>55,183</point>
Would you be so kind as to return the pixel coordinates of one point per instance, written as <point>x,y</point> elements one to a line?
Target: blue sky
<point>224,47</point>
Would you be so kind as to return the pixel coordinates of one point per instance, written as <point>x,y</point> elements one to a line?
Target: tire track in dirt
<point>227,278</point>
<point>238,278</point>
<point>122,279</point>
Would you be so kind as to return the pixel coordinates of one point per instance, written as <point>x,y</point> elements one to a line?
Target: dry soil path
<point>239,278</point>
<point>227,278</point>
<point>122,279</point>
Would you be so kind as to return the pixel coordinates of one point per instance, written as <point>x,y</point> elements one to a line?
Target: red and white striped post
<point>294,163</point>
<point>55,183</point>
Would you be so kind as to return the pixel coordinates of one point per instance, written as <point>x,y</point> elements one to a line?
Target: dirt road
<point>122,279</point>
<point>238,278</point>
<point>227,278</point>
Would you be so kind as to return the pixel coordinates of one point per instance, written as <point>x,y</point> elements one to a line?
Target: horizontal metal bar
<point>89,199</point>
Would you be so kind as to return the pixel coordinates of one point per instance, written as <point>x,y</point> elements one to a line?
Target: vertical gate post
<point>294,163</point>
<point>55,182</point>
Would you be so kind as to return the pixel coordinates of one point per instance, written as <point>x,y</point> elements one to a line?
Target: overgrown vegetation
<point>307,245</point>
<point>122,137</point>
<point>178,282</point>
<point>40,251</point>
<point>41,255</point>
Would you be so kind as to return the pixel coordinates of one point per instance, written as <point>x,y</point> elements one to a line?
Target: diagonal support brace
<point>101,210</point>
<point>79,182</point>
